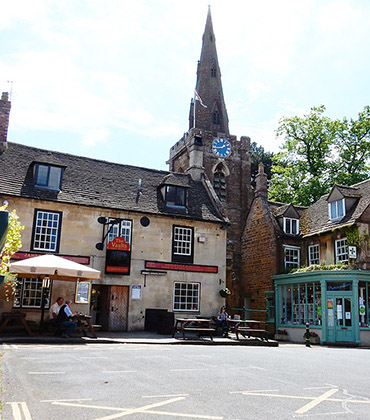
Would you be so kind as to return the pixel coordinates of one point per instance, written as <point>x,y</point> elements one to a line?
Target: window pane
<point>54,177</point>
<point>42,175</point>
<point>190,295</point>
<point>46,232</point>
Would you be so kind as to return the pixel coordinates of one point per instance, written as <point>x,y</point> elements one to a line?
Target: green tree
<point>12,245</point>
<point>318,152</point>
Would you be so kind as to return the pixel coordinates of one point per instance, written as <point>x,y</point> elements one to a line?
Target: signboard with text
<point>181,267</point>
<point>118,257</point>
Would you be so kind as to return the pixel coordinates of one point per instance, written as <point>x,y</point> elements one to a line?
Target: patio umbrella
<point>56,268</point>
<point>52,267</point>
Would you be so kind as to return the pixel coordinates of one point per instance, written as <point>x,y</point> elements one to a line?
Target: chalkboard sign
<point>83,292</point>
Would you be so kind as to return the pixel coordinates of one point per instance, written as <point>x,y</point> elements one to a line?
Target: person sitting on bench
<point>54,310</point>
<point>222,320</point>
<point>64,319</point>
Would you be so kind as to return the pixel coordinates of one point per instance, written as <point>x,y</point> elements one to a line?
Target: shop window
<point>364,303</point>
<point>337,209</point>
<point>182,244</point>
<point>175,196</point>
<point>291,226</point>
<point>28,294</point>
<point>300,304</point>
<point>341,251</point>
<point>313,254</point>
<point>291,257</point>
<point>186,297</point>
<point>47,176</point>
<point>46,230</point>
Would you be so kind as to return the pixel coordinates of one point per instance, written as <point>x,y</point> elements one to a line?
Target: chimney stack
<point>195,150</point>
<point>4,120</point>
<point>261,182</point>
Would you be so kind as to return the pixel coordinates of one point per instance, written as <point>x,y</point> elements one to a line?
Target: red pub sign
<point>118,257</point>
<point>182,267</point>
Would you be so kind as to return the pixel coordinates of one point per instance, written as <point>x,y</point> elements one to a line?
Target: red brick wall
<point>260,256</point>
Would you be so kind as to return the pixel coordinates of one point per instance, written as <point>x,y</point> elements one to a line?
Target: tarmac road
<point>142,381</point>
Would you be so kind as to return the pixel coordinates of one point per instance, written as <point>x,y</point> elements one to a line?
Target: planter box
<point>281,337</point>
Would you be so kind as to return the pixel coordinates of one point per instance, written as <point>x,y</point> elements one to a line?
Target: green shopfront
<point>336,304</point>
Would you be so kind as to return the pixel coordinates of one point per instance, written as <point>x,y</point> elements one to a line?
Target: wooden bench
<point>210,331</point>
<point>262,334</point>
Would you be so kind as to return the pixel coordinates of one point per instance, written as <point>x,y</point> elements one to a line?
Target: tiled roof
<point>98,183</point>
<point>316,218</point>
<point>347,191</point>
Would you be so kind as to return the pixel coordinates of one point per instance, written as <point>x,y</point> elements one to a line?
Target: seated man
<point>64,318</point>
<point>54,310</point>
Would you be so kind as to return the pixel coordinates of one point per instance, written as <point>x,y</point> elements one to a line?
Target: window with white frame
<point>122,228</point>
<point>28,294</point>
<point>182,244</point>
<point>313,254</point>
<point>291,226</point>
<point>186,296</point>
<point>341,250</point>
<point>46,230</point>
<point>291,257</point>
<point>337,209</point>
<point>47,176</point>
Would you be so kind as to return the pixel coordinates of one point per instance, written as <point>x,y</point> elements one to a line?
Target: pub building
<point>158,238</point>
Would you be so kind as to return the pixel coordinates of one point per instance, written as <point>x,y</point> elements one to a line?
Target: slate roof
<point>98,183</point>
<point>316,218</point>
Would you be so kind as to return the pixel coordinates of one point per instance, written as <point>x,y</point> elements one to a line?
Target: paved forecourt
<point>136,381</point>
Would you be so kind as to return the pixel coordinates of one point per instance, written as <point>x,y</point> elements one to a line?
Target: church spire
<point>212,116</point>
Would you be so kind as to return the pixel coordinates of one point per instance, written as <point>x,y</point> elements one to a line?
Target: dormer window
<point>47,176</point>
<point>175,196</point>
<point>337,209</point>
<point>291,226</point>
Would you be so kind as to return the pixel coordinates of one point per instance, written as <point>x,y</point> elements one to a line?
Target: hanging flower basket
<point>225,292</point>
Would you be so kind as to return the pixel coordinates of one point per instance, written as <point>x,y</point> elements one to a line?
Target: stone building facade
<point>157,237</point>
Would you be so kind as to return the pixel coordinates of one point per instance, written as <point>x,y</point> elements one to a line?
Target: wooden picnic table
<point>198,325</point>
<point>248,327</point>
<point>19,317</point>
<point>84,324</point>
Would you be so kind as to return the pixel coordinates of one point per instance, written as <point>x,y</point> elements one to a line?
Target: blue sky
<point>113,79</point>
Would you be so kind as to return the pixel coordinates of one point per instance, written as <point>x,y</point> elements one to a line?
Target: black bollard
<point>307,335</point>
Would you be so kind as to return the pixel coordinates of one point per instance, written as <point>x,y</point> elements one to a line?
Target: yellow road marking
<point>316,401</point>
<point>144,409</point>
<point>18,408</point>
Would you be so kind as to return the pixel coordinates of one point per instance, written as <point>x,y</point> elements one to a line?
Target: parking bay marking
<point>18,408</point>
<point>314,400</point>
<point>146,409</point>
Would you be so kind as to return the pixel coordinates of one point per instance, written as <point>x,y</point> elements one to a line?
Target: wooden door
<point>118,308</point>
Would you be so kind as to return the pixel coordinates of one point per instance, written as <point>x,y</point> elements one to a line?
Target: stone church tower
<point>208,148</point>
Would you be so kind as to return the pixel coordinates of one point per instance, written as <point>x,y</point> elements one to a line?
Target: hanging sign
<point>118,257</point>
<point>352,252</point>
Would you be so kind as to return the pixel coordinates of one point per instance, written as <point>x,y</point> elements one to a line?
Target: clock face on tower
<point>221,148</point>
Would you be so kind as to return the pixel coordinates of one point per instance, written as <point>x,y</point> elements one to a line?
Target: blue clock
<point>221,148</point>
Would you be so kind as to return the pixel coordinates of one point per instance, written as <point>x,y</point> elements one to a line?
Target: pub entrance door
<point>340,319</point>
<point>112,307</point>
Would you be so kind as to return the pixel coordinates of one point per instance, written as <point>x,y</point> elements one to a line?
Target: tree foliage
<point>318,152</point>
<point>12,245</point>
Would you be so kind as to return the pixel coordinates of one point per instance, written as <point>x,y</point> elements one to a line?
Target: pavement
<point>133,337</point>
